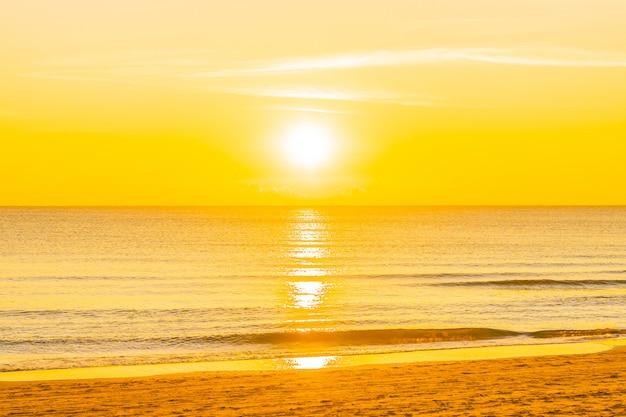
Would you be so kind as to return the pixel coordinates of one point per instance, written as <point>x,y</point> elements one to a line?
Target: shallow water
<point>105,286</point>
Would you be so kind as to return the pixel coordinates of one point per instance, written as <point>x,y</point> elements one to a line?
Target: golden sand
<point>591,384</point>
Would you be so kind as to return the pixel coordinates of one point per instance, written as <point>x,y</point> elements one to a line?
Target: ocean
<point>120,286</point>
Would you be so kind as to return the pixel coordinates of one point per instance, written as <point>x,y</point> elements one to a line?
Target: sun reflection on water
<point>305,253</point>
<point>316,362</point>
<point>309,245</point>
<point>307,294</point>
<point>308,266</point>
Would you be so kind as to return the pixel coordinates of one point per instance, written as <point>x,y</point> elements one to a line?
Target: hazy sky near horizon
<point>417,102</point>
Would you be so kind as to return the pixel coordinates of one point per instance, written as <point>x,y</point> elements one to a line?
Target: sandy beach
<point>586,384</point>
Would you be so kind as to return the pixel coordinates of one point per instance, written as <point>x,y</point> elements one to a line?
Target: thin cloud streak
<point>184,70</point>
<point>192,64</point>
<point>307,109</point>
<point>548,57</point>
<point>338,95</point>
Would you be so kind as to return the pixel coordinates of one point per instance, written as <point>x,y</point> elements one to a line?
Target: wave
<point>538,270</point>
<point>537,283</point>
<point>323,337</point>
<point>320,338</point>
<point>60,353</point>
<point>547,334</point>
<point>508,274</point>
<point>380,337</point>
<point>406,336</point>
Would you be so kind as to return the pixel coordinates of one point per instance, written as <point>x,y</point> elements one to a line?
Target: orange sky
<point>193,102</point>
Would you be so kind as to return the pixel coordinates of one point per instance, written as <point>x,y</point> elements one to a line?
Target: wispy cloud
<point>337,94</point>
<point>203,64</point>
<point>307,109</point>
<point>203,71</point>
<point>548,57</point>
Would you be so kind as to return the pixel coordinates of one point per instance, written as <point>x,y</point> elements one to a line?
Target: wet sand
<point>582,385</point>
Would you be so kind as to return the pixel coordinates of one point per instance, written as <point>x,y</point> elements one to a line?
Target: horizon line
<point>315,205</point>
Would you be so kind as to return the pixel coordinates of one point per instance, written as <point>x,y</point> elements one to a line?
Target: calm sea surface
<point>101,286</point>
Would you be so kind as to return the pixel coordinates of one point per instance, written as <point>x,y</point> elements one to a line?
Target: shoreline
<point>318,362</point>
<point>571,384</point>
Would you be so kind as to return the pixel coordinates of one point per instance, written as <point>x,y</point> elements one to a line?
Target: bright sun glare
<point>308,146</point>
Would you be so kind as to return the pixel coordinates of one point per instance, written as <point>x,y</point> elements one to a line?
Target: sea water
<point>120,286</point>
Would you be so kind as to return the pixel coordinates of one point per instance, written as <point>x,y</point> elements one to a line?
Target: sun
<point>308,146</point>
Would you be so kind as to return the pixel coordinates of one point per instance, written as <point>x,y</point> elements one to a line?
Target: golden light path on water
<point>306,294</point>
<point>310,273</point>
